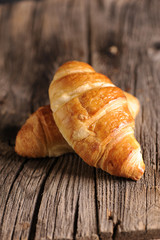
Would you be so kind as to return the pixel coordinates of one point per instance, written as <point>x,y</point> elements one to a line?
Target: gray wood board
<point>64,198</point>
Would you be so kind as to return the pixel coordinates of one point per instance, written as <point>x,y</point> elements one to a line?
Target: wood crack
<point>157,151</point>
<point>89,34</point>
<point>146,209</point>
<point>96,203</point>
<point>76,219</point>
<point>115,229</point>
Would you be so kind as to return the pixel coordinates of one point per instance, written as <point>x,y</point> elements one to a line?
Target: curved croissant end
<point>93,116</point>
<point>40,137</point>
<point>133,104</point>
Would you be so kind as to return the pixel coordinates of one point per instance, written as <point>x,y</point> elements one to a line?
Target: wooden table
<point>64,198</point>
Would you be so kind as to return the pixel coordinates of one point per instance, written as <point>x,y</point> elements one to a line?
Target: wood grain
<point>64,198</point>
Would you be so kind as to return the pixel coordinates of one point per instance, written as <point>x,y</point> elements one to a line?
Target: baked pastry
<point>40,137</point>
<point>93,116</point>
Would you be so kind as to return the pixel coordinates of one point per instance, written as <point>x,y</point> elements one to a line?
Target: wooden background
<point>64,198</point>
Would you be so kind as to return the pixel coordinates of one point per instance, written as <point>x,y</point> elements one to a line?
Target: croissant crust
<point>93,116</point>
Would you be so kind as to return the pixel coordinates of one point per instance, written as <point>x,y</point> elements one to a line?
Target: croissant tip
<point>26,142</point>
<point>139,172</point>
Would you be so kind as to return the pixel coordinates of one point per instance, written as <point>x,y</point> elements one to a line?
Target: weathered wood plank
<point>123,47</point>
<point>63,198</point>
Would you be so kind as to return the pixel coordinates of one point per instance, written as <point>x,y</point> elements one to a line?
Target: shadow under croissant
<point>68,165</point>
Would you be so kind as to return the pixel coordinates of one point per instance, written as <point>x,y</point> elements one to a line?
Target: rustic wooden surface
<point>64,198</point>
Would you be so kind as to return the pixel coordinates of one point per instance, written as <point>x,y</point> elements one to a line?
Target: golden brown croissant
<point>40,137</point>
<point>93,116</point>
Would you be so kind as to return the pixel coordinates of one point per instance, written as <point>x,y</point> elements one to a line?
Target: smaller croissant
<point>40,137</point>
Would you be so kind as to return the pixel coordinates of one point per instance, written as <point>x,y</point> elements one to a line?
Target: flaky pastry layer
<point>95,120</point>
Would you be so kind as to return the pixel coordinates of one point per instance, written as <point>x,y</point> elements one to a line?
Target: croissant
<point>93,116</point>
<point>40,137</point>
